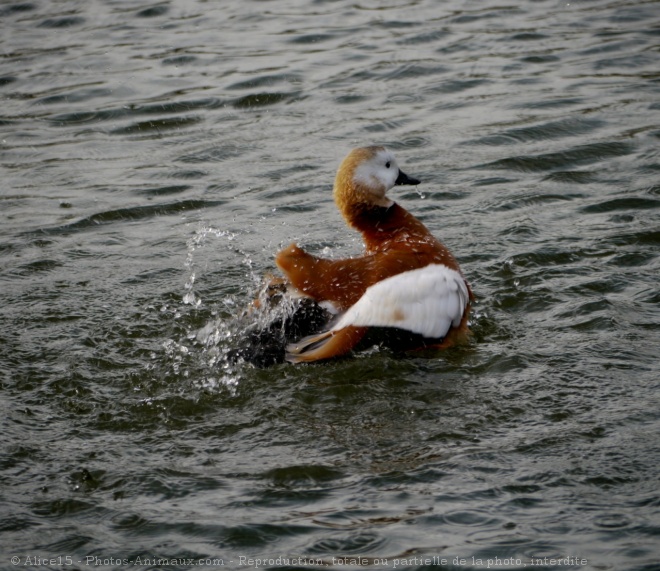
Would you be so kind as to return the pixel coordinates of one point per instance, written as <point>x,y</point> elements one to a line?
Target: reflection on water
<point>154,160</point>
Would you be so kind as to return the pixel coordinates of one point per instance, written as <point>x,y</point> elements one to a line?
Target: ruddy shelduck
<point>406,279</point>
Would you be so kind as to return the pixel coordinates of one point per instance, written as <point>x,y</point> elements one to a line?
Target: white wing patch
<point>427,301</point>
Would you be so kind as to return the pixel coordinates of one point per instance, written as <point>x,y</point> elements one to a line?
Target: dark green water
<point>156,156</point>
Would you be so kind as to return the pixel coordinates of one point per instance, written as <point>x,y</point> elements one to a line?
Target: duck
<point>406,281</point>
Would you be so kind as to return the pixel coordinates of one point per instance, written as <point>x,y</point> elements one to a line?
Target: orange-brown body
<point>395,242</point>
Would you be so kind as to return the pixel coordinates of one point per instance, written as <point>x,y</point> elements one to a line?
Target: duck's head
<point>365,176</point>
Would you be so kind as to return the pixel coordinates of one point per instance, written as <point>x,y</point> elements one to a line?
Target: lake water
<point>155,156</point>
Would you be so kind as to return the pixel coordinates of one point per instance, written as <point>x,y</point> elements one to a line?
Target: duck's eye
<point>387,164</point>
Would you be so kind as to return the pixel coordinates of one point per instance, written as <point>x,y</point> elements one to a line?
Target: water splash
<point>200,357</point>
<point>259,335</point>
<point>197,241</point>
<point>190,298</point>
<point>201,354</point>
<point>241,329</point>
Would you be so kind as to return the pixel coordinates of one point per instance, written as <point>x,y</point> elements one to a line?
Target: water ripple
<point>577,156</point>
<point>156,157</point>
<point>126,214</point>
<point>547,131</point>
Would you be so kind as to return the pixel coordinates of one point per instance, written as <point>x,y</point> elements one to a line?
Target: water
<point>156,156</point>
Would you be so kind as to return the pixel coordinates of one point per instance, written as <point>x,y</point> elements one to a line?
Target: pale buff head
<point>365,176</point>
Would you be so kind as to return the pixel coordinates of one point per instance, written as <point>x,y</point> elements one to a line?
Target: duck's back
<point>393,233</point>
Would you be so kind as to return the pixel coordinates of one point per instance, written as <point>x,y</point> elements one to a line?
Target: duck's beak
<point>403,178</point>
